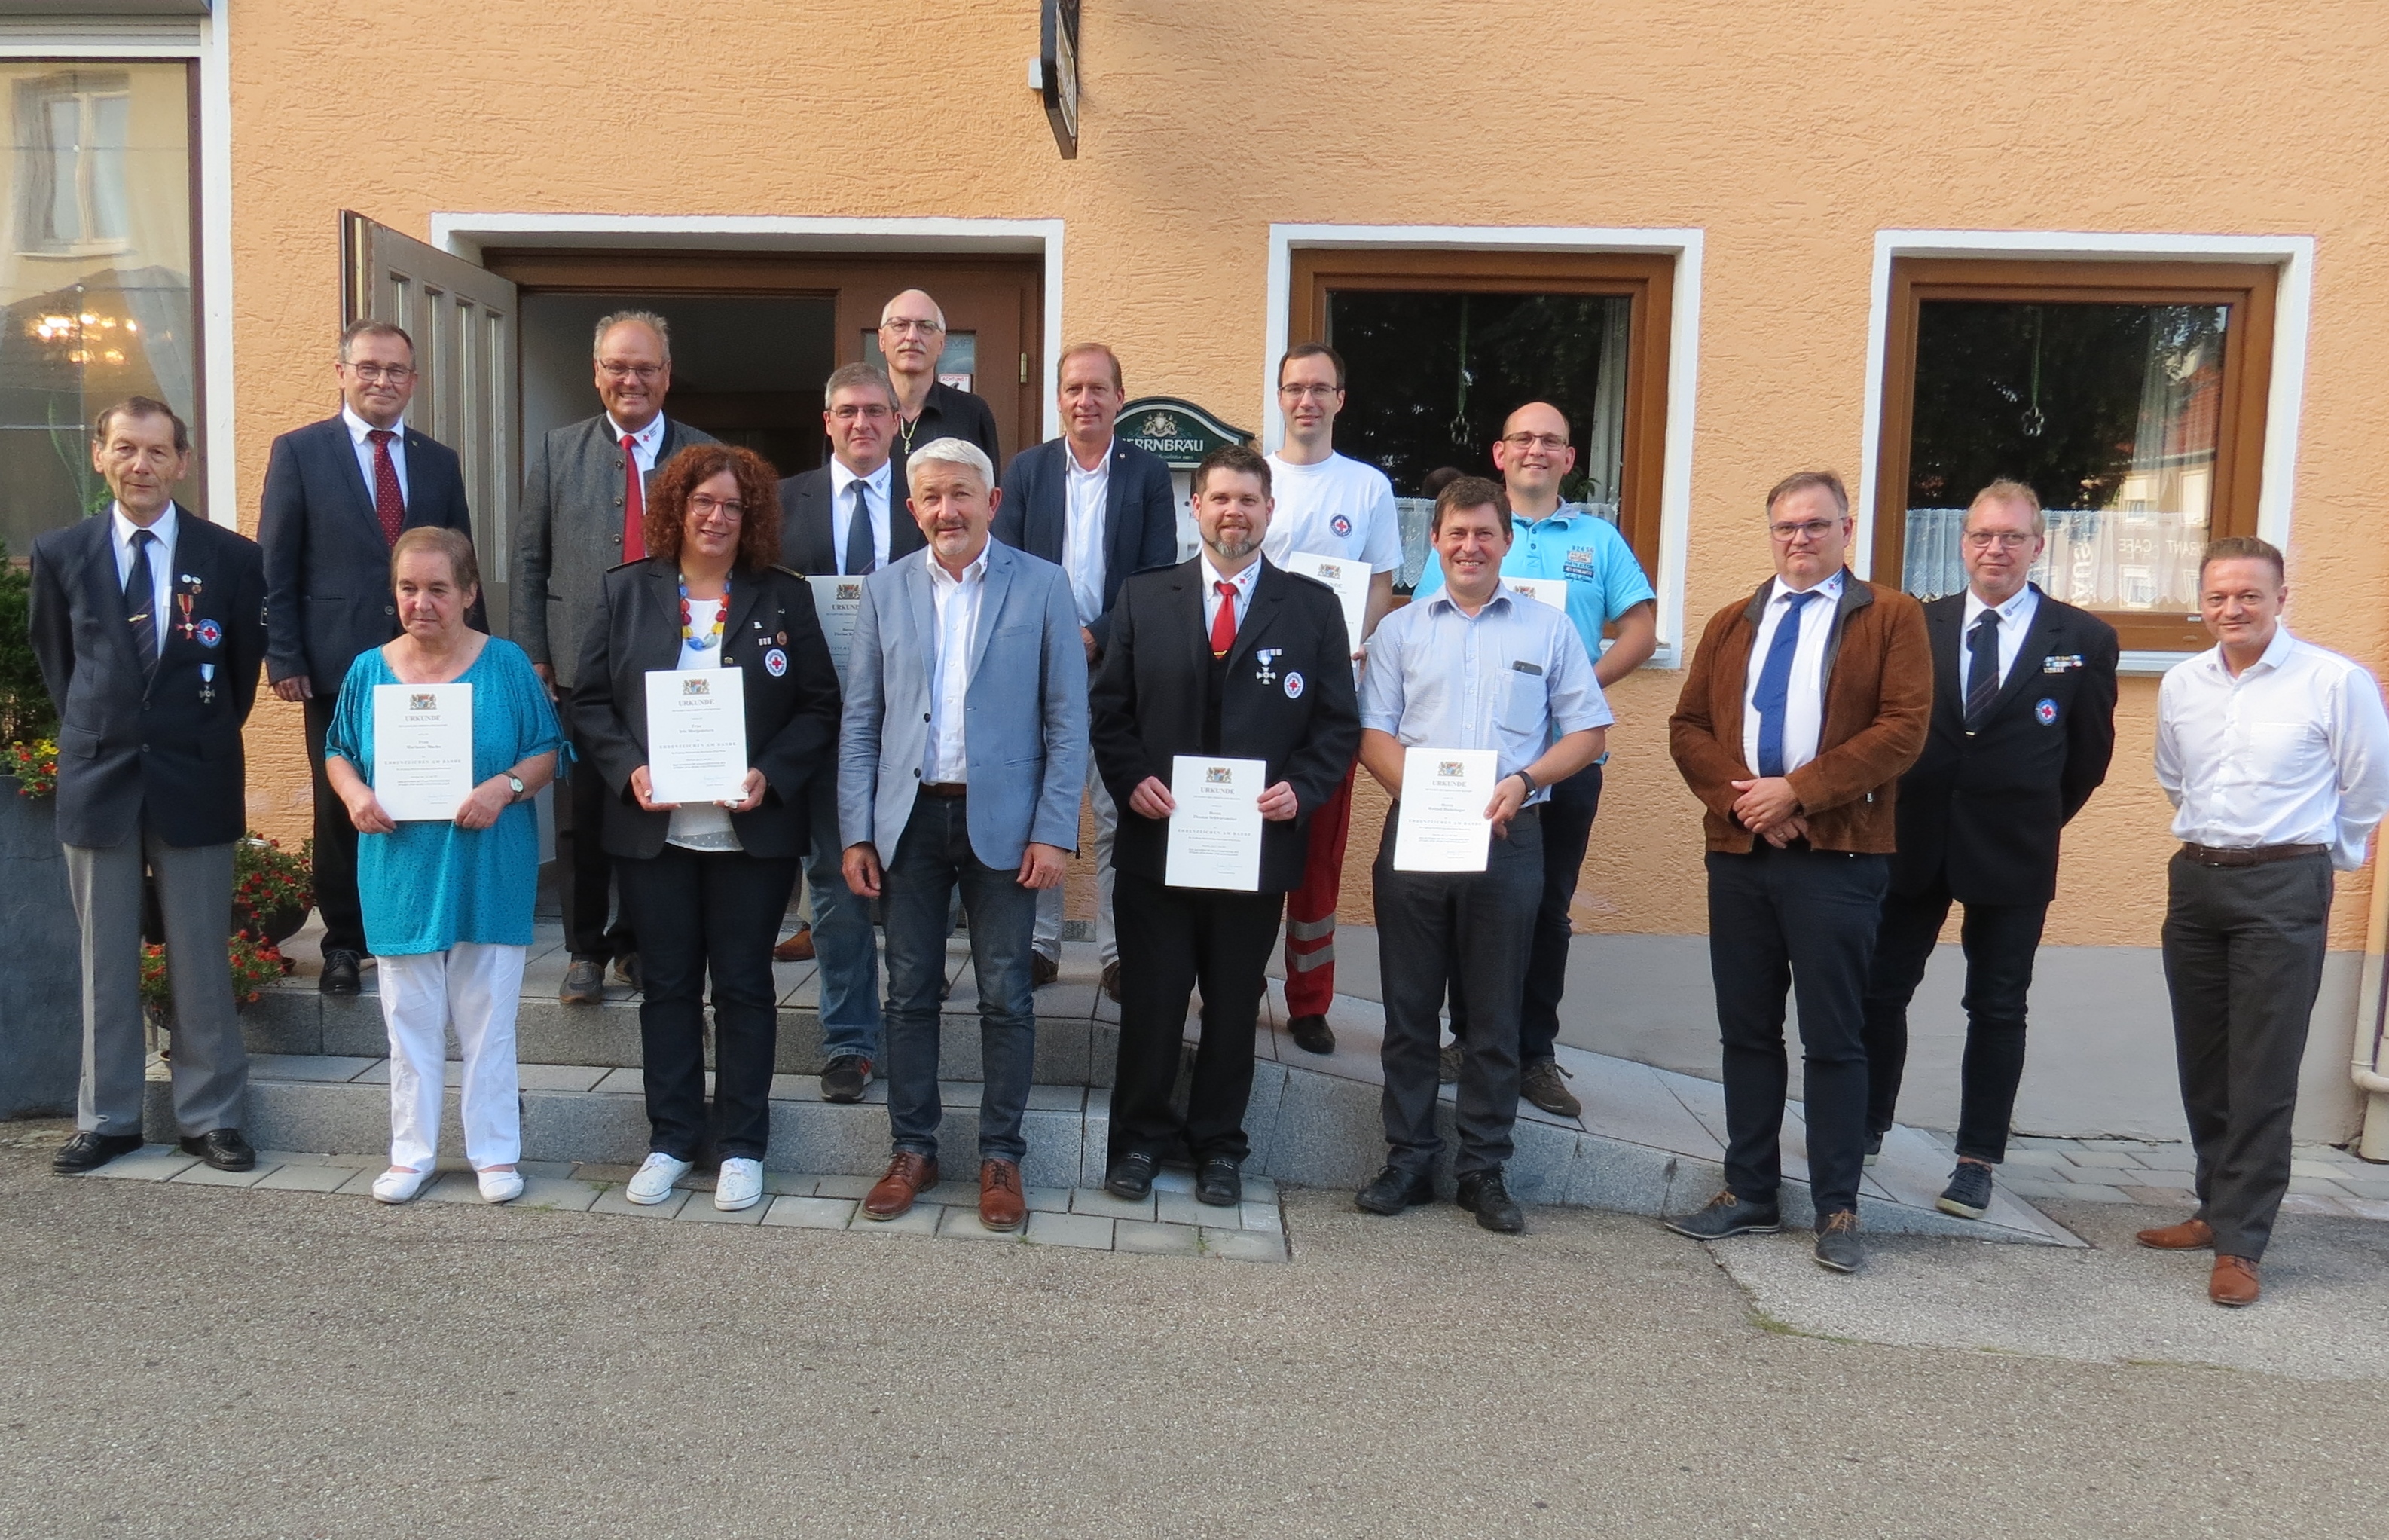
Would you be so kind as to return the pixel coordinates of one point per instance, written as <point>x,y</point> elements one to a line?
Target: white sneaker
<point>654,1182</point>
<point>740,1186</point>
<point>397,1187</point>
<point>501,1187</point>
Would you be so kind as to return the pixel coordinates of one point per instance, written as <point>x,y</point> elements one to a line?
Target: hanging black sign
<point>1178,431</point>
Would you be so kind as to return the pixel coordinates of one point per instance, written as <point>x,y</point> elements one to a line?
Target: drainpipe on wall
<point>2372,997</point>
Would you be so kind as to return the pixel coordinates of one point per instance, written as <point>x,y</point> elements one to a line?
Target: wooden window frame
<point>2252,288</point>
<point>1646,280</point>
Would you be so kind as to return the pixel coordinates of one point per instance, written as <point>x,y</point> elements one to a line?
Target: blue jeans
<point>844,948</point>
<point>933,859</point>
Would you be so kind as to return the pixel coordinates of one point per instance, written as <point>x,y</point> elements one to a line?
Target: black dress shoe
<point>222,1148</point>
<point>1310,1035</point>
<point>1727,1215</point>
<point>1220,1184</point>
<point>1393,1189</point>
<point>89,1151</point>
<point>341,969</point>
<point>1484,1194</point>
<point>1130,1177</point>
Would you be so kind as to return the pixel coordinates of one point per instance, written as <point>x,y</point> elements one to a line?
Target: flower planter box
<point>41,970</point>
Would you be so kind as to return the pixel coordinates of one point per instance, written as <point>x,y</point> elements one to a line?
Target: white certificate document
<point>1550,591</point>
<point>1349,578</point>
<point>1215,835</point>
<point>423,749</point>
<point>696,734</point>
<point>1443,825</point>
<point>837,601</point>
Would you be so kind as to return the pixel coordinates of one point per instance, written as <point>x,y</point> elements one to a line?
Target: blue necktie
<point>1775,684</point>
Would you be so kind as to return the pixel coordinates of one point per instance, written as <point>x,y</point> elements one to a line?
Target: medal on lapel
<point>206,684</point>
<point>1267,657</point>
<point>183,601</point>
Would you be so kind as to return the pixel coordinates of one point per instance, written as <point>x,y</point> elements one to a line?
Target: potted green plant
<point>272,890</point>
<point>40,982</point>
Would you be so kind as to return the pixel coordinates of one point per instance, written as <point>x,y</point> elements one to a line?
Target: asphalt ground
<point>198,1362</point>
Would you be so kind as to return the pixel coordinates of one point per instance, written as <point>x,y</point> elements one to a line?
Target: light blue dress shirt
<point>1514,677</point>
<point>1604,579</point>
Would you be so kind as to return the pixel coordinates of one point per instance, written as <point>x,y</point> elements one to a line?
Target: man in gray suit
<point>962,757</point>
<point>585,502</point>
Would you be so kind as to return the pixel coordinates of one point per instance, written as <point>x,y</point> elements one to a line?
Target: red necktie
<point>389,504</point>
<point>634,506</point>
<point>1223,625</point>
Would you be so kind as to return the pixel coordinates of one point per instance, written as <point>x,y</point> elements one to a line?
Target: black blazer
<point>327,593</point>
<point>1140,523</point>
<point>1148,701</point>
<point>1984,809</point>
<point>807,507</point>
<point>791,715</point>
<point>167,747</point>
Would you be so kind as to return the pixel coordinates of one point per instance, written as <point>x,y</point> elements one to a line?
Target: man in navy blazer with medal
<point>1101,510</point>
<point>1226,656</point>
<point>149,623</point>
<point>2022,727</point>
<point>338,494</point>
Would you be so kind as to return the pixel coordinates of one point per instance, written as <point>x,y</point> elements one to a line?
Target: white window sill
<point>2134,661</point>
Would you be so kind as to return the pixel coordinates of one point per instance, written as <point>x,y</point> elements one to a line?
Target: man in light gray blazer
<point>960,764</point>
<point>583,511</point>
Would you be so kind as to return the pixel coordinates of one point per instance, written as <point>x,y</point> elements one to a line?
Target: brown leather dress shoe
<point>796,948</point>
<point>908,1176</point>
<point>1111,980</point>
<point>2233,1282</point>
<point>2191,1235</point>
<point>1001,1205</point>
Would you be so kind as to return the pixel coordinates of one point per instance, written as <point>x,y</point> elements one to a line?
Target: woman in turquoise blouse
<point>448,902</point>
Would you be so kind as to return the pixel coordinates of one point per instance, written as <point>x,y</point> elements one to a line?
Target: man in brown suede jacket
<point>1802,708</point>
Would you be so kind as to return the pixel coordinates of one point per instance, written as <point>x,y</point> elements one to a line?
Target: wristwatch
<point>514,782</point>
<point>1525,780</point>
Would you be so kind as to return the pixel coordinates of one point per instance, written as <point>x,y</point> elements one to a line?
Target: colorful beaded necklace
<point>720,616</point>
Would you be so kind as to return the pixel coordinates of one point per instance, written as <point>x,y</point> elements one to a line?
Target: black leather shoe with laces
<point>340,972</point>
<point>1393,1189</point>
<point>1484,1194</point>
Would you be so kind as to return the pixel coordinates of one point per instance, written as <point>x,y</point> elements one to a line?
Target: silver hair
<point>961,452</point>
<point>925,294</point>
<point>647,318</point>
<point>846,375</point>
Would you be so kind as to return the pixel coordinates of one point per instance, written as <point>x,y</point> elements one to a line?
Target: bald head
<point>1534,455</point>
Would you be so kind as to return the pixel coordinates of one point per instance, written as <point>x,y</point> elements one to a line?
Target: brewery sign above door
<point>1178,431</point>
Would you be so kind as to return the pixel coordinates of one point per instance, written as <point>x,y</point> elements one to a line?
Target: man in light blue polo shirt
<point>1476,666</point>
<point>1605,588</point>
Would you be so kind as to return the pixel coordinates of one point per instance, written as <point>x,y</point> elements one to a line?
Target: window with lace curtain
<point>2130,396</point>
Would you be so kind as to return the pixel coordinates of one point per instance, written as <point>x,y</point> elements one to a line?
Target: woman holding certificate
<point>708,700</point>
<point>438,743</point>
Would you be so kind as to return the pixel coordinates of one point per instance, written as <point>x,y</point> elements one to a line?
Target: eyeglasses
<point>2006,540</point>
<point>1814,529</point>
<point>870,411</point>
<point>647,374</point>
<point>702,505</point>
<point>373,374</point>
<point>900,325</point>
<point>1311,392</point>
<point>1549,444</point>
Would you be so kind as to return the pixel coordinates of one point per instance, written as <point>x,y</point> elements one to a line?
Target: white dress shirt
<point>701,826</point>
<point>643,444</point>
<point>2015,619</point>
<point>842,510</point>
<point>1082,538</point>
<point>358,428</point>
<point>1804,695</point>
<point>161,561</point>
<point>2293,752</point>
<point>956,601</point>
<point>1242,583</point>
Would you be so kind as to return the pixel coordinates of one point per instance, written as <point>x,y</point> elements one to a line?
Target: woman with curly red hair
<point>705,883</point>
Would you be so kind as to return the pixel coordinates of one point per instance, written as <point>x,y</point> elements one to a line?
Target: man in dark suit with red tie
<point>338,494</point>
<point>2023,723</point>
<point>1223,657</point>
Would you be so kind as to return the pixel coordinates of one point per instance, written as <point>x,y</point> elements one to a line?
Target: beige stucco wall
<point>1789,133</point>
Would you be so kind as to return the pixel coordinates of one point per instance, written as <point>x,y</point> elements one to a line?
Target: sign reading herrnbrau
<point>1180,432</point>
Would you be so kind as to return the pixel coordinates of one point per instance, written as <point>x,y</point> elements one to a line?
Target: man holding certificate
<point>1474,703</point>
<point>1222,720</point>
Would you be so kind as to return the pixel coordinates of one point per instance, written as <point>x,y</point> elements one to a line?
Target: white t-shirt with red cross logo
<point>1338,507</point>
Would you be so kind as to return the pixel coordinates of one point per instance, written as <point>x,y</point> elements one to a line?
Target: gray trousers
<point>2243,955</point>
<point>1477,929</point>
<point>195,898</point>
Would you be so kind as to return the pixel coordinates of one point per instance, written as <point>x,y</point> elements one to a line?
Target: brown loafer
<point>1001,1205</point>
<point>796,948</point>
<point>2233,1282</point>
<point>2191,1235</point>
<point>908,1176</point>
